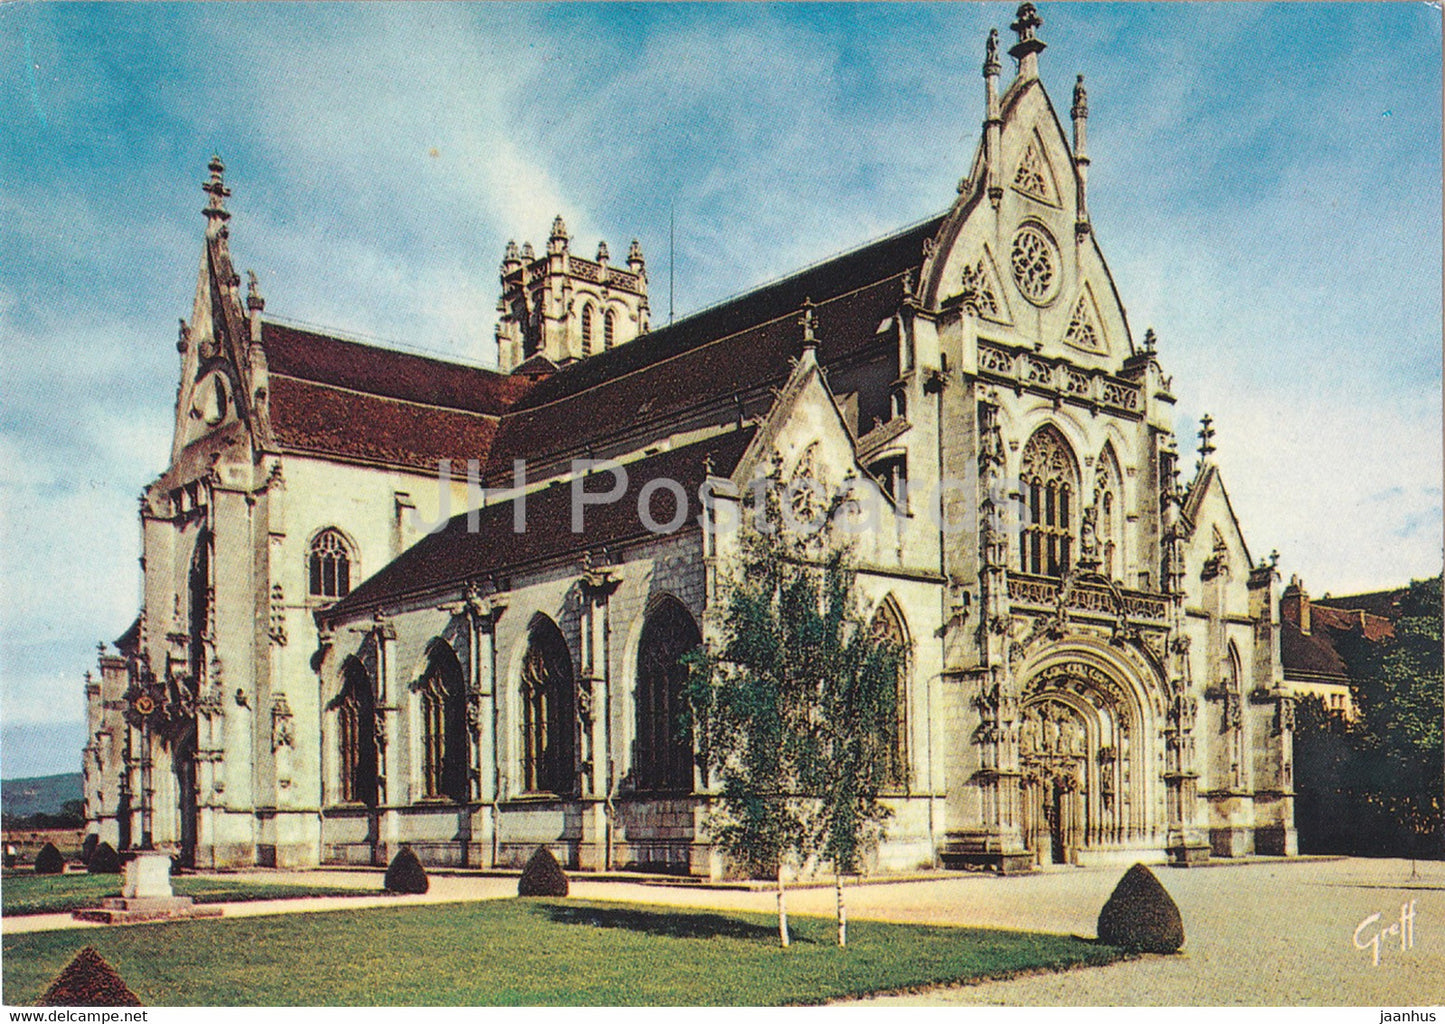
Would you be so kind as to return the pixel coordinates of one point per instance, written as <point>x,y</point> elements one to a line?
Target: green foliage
<point>405,874</point>
<point>542,876</point>
<point>104,861</point>
<point>1374,785</point>
<point>1141,916</point>
<point>796,706</point>
<point>529,953</point>
<point>49,861</point>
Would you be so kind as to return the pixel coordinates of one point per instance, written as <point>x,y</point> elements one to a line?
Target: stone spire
<point>602,253</point>
<point>255,301</point>
<point>1026,51</point>
<point>1206,437</point>
<point>511,257</point>
<point>809,319</point>
<point>1080,111</point>
<point>993,122</point>
<point>635,262</point>
<point>557,241</point>
<point>215,211</point>
<point>1151,341</point>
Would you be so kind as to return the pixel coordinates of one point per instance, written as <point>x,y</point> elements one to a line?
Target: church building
<point>342,650</point>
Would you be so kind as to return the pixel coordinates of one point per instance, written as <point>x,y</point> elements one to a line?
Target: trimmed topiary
<point>88,847</point>
<point>542,876</point>
<point>88,981</point>
<point>49,860</point>
<point>104,861</point>
<point>406,875</point>
<point>1141,916</point>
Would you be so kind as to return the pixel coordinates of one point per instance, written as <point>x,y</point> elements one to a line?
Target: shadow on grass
<point>673,924</point>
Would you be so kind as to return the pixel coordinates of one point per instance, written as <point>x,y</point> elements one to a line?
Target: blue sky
<point>1266,184</point>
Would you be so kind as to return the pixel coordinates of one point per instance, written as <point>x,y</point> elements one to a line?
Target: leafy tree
<point>1400,736</point>
<point>796,710</point>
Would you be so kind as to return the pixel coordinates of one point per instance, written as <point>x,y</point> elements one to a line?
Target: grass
<point>531,952</point>
<point>26,893</point>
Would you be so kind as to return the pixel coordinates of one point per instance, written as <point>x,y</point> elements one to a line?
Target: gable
<point>1050,287</point>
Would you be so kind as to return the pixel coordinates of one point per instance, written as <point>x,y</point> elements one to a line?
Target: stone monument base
<point>135,909</point>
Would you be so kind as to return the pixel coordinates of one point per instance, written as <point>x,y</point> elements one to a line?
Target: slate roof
<point>455,554</point>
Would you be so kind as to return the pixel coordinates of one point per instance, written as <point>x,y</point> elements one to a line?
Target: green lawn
<point>24,893</point>
<point>529,952</point>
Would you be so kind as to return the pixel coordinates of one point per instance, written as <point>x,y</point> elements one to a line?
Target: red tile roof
<point>457,553</point>
<point>306,355</point>
<point>330,421</point>
<point>1310,654</point>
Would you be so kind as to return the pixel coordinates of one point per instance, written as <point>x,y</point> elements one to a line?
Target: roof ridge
<point>375,344</point>
<point>669,357</point>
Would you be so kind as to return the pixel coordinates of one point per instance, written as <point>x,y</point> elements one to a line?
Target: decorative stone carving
<point>1035,262</point>
<point>283,733</point>
<point>278,615</point>
<point>1032,176</point>
<point>977,293</point>
<point>1083,333</point>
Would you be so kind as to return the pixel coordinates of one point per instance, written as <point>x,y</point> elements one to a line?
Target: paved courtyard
<point>1267,933</point>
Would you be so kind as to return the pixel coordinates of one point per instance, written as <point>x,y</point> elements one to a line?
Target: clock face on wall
<point>1035,262</point>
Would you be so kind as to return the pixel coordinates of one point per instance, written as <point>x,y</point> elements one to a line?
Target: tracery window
<point>609,323</point>
<point>330,565</point>
<point>356,726</point>
<point>888,625</point>
<point>663,758</point>
<point>587,329</point>
<point>444,726</point>
<point>1049,478</point>
<point>549,713</point>
<point>1108,488</point>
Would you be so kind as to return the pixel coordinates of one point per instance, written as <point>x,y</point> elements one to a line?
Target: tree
<point>1399,740</point>
<point>796,709</point>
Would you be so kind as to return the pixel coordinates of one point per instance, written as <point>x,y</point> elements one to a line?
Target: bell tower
<point>563,307</point>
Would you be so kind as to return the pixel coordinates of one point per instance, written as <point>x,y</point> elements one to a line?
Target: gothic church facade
<point>316,678</point>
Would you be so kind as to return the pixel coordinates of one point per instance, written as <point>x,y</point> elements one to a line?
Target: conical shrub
<point>406,875</point>
<point>542,876</point>
<point>88,847</point>
<point>1141,916</point>
<point>104,861</point>
<point>88,981</point>
<point>49,860</point>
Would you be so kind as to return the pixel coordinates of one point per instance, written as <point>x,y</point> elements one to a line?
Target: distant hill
<point>44,794</point>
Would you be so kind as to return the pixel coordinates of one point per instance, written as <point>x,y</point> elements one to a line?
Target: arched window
<point>199,599</point>
<point>1049,478</point>
<point>356,735</point>
<point>663,755</point>
<point>444,726</point>
<point>1108,489</point>
<point>549,712</point>
<point>330,565</point>
<point>888,626</point>
<point>609,324</point>
<point>587,329</point>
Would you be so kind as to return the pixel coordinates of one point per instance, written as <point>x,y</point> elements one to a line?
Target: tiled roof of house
<point>1382,603</point>
<point>1311,654</point>
<point>457,552</point>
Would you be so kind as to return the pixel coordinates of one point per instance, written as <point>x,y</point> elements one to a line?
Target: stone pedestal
<point>146,876</point>
<point>145,895</point>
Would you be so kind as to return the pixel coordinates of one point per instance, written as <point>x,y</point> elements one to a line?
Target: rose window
<point>1035,265</point>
